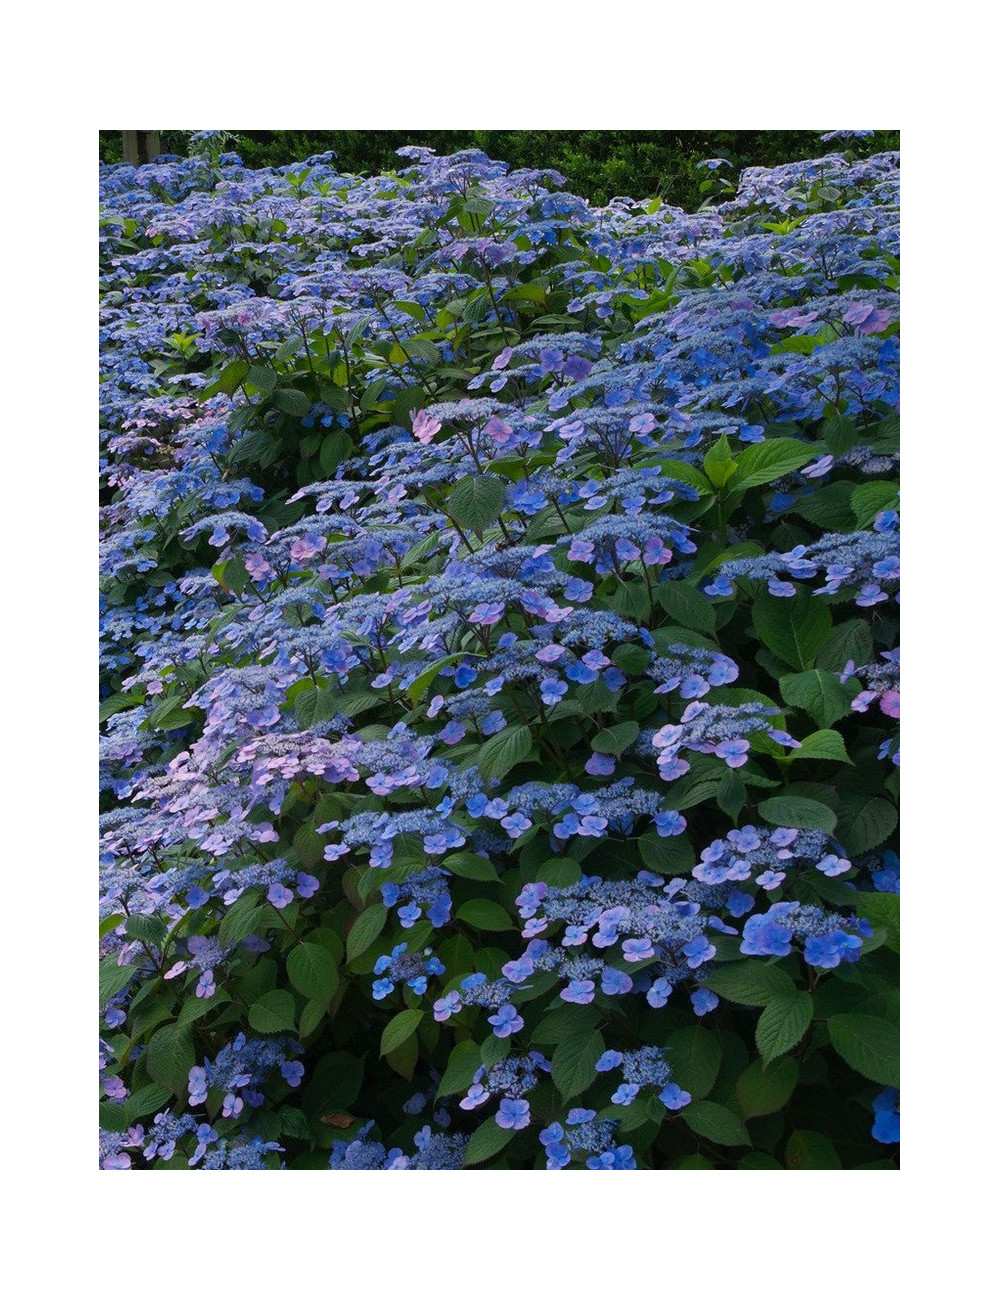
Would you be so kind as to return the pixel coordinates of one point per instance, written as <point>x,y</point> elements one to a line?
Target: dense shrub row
<point>500,669</point>
<point>597,164</point>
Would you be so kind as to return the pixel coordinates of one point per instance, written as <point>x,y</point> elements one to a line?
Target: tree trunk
<point>141,146</point>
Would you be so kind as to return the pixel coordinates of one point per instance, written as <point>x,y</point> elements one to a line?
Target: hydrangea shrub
<point>500,676</point>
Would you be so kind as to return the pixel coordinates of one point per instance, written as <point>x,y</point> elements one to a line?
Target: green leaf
<point>527,293</point>
<point>884,435</point>
<point>672,854</point>
<point>804,814</point>
<point>294,1123</point>
<point>839,433</point>
<point>829,508</point>
<point>885,1005</point>
<point>476,501</point>
<point>170,715</point>
<point>822,744</point>
<point>806,1149</point>
<point>398,1030</point>
<point>883,911</point>
<point>365,930</point>
<point>683,473</point>
<point>763,462</point>
<point>273,1013</point>
<point>462,1065</point>
<point>407,400</point>
<point>761,1089</point>
<point>494,1050</point>
<point>686,605</point>
<point>147,1101</point>
<point>793,628</point>
<point>258,445</point>
<point>232,375</point>
<point>115,704</point>
<point>718,464</point>
<point>287,350</point>
<point>110,923</point>
<point>419,551</point>
<point>336,447</point>
<point>193,1008</point>
<point>575,1060</point>
<point>504,751</point>
<point>631,601</point>
<point>838,892</point>
<point>782,1024</point>
<point>731,794</point>
<point>615,740</point>
<point>517,468</point>
<point>423,350</point>
<point>169,1057</point>
<point>246,916</point>
<point>478,303</point>
<point>805,344</point>
<point>149,929</point>
<point>694,1055</point>
<point>487,1141</point>
<point>312,1016</point>
<point>113,978</point>
<point>484,915</point>
<point>710,1120</point>
<point>262,377</point>
<point>308,847</point>
<point>751,983</point>
<point>565,1021</point>
<point>646,1107</point>
<point>312,971</point>
<point>692,789</point>
<point>558,872</point>
<point>738,695</point>
<point>111,1116</point>
<point>403,1060</point>
<point>869,499</point>
<point>850,640</point>
<point>470,866</point>
<point>868,1045</point>
<point>231,575</point>
<point>292,401</point>
<point>819,693</point>
<point>866,821</point>
<point>333,1085</point>
<point>355,702</point>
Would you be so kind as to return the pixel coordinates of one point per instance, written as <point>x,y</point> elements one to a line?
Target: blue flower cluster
<point>432,1151</point>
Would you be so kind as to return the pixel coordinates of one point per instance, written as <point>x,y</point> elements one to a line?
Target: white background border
<point>514,66</point>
